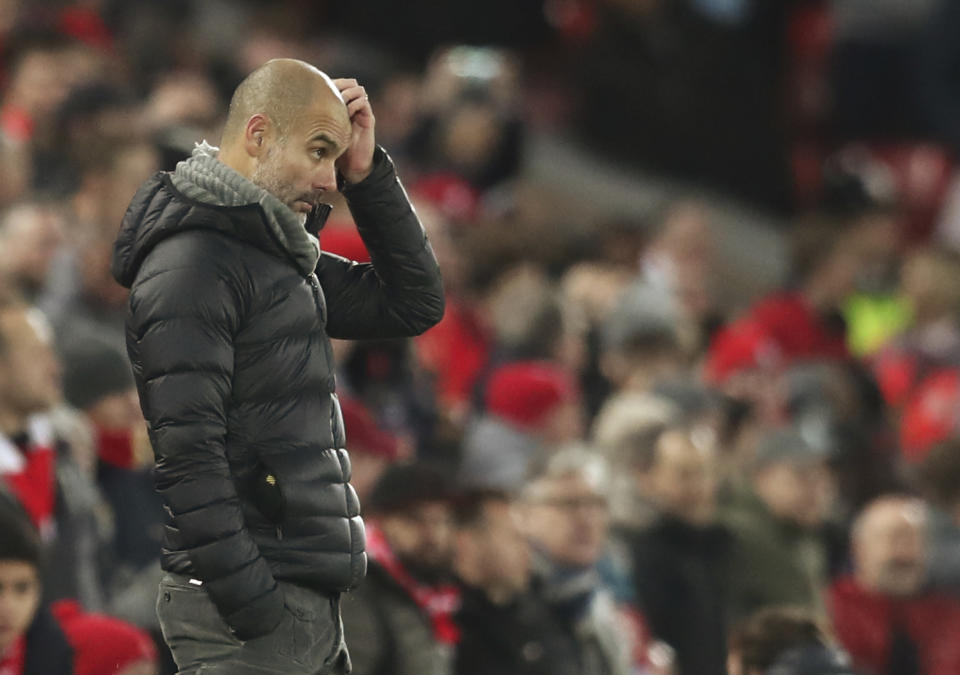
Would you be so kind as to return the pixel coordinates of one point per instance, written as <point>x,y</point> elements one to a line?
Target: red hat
<point>740,346</point>
<point>931,414</point>
<point>101,644</point>
<point>525,392</point>
<point>364,436</point>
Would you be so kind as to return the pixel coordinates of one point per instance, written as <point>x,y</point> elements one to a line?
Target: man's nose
<point>325,177</point>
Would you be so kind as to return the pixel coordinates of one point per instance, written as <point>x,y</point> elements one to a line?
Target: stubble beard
<point>267,175</point>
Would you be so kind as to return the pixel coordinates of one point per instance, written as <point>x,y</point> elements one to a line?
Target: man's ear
<point>256,134</point>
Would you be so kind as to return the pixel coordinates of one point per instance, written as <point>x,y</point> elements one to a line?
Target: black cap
<point>92,370</point>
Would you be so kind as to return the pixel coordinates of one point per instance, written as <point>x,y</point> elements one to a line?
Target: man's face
<point>300,166</point>
<point>800,492</point>
<point>19,599</point>
<point>500,551</point>
<point>568,517</point>
<point>421,536</point>
<point>31,239</point>
<point>891,549</point>
<point>29,371</point>
<point>683,480</point>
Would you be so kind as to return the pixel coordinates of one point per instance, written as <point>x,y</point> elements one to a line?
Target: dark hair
<point>763,636</point>
<point>939,474</point>
<point>19,540</point>
<point>469,509</point>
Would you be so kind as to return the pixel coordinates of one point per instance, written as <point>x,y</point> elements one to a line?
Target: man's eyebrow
<point>324,138</point>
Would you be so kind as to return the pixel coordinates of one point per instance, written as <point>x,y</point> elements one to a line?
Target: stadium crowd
<point>605,460</point>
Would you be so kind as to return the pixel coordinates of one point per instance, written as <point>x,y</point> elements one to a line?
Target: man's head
<point>759,643</point>
<point>677,469</point>
<point>793,479</point>
<point>889,545</point>
<point>411,505</point>
<point>286,126</point>
<point>29,371</point>
<point>19,575</point>
<point>30,234</point>
<point>490,551</point>
<point>565,507</point>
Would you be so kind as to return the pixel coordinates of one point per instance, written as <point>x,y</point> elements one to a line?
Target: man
<point>780,552</point>
<point>565,516</point>
<point>231,308</point>
<point>30,234</point>
<point>784,641</point>
<point>505,627</point>
<point>882,614</point>
<point>402,616</point>
<point>939,478</point>
<point>680,559</point>
<point>38,468</point>
<point>61,640</point>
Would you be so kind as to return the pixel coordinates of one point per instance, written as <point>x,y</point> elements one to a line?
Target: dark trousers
<point>308,641</point>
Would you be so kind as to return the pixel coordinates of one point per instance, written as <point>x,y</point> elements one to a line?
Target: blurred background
<point>701,352</point>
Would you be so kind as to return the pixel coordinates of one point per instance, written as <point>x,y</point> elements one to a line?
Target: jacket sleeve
<point>398,294</point>
<point>183,318</point>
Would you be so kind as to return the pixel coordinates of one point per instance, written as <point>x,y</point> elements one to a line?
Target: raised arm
<point>399,294</point>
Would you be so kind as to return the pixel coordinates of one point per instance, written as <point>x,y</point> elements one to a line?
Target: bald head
<point>890,545</point>
<point>280,89</point>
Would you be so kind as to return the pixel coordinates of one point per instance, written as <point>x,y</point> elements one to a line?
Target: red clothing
<point>797,328</point>
<point>455,351</point>
<point>101,644</point>
<point>864,623</point>
<point>27,467</point>
<point>11,663</point>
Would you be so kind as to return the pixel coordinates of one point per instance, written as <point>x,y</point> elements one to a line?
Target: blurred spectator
<point>624,423</point>
<point>30,234</point>
<point>531,406</point>
<point>372,449</point>
<point>35,639</point>
<point>939,482</point>
<point>402,614</point>
<point>565,516</point>
<point>38,467</point>
<point>505,627</point>
<point>930,278</point>
<point>640,340</point>
<point>780,553</point>
<point>784,641</point>
<point>83,296</point>
<point>881,613</point>
<point>31,641</point>
<point>98,382</point>
<point>680,560</point>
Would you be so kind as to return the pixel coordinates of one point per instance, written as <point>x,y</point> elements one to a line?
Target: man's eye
<point>320,153</point>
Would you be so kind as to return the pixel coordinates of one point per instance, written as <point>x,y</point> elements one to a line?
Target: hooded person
<point>231,310</point>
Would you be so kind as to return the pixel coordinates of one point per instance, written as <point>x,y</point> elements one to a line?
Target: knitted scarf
<point>439,602</point>
<point>206,179</point>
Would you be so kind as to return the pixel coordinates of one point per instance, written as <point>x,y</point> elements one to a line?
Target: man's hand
<point>357,162</point>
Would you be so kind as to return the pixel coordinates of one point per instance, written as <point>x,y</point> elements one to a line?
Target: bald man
<point>885,618</point>
<point>232,305</point>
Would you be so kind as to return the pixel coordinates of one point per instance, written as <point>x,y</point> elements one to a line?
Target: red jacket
<point>797,328</point>
<point>864,622</point>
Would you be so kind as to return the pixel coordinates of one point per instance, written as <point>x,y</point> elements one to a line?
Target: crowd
<point>601,461</point>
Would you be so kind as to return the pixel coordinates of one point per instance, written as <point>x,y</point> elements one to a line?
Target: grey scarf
<point>206,179</point>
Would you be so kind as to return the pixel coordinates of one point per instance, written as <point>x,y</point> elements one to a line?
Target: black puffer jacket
<point>229,344</point>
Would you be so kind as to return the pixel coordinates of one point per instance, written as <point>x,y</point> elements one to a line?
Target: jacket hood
<point>158,211</point>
